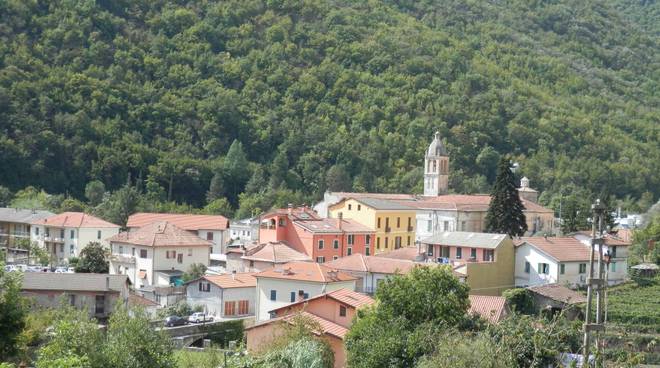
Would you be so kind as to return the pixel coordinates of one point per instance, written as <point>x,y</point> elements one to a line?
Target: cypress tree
<point>505,213</point>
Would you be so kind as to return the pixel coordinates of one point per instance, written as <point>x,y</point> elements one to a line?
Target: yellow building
<point>393,222</point>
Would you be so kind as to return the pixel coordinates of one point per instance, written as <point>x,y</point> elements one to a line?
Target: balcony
<point>52,239</point>
<point>410,229</point>
<point>388,229</point>
<point>122,258</point>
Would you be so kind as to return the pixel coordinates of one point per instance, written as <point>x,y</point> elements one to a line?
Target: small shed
<point>555,298</point>
<point>645,270</point>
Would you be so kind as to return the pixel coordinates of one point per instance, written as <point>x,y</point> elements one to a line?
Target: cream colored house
<point>157,254</point>
<point>65,235</point>
<point>294,281</point>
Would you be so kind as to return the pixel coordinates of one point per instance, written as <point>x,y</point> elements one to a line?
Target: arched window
<point>435,166</point>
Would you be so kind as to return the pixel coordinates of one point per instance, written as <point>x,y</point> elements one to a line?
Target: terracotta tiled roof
<point>74,219</point>
<point>476,202</point>
<point>305,271</point>
<point>351,298</point>
<point>559,293</point>
<point>275,252</point>
<point>390,196</point>
<point>327,327</point>
<point>297,213</point>
<point>362,263</point>
<point>229,281</point>
<point>160,234</point>
<point>136,300</point>
<point>491,308</point>
<point>183,221</point>
<point>562,249</point>
<point>405,253</point>
<point>331,225</point>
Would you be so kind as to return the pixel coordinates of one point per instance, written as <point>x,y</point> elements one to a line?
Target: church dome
<point>436,148</point>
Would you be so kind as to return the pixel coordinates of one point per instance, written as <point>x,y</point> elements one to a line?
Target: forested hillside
<point>318,94</point>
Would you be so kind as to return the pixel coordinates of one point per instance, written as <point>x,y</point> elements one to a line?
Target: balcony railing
<point>388,229</point>
<point>52,239</point>
<point>17,234</point>
<point>410,229</point>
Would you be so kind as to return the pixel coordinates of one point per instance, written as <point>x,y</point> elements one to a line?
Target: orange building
<point>333,311</point>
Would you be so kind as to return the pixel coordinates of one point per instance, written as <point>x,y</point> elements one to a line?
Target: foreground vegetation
<point>257,101</point>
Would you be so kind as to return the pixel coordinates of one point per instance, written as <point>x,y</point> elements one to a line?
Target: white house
<point>157,254</point>
<point>66,234</point>
<point>617,249</point>
<point>224,296</point>
<point>214,228</point>
<point>293,281</point>
<point>243,232</point>
<point>561,260</point>
<point>370,270</point>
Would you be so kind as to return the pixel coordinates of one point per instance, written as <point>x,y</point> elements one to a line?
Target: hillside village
<point>324,262</point>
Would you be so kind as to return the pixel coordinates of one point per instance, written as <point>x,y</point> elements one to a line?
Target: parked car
<point>199,317</point>
<point>61,270</point>
<point>11,268</point>
<point>172,321</point>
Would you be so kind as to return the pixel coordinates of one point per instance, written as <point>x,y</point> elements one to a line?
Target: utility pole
<point>596,284</point>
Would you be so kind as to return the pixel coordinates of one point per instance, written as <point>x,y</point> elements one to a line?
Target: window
<point>489,255</point>
<point>342,311</point>
<point>613,264</point>
<point>98,234</point>
<point>446,225</point>
<point>72,249</point>
<point>387,223</point>
<point>205,287</point>
<point>386,242</point>
<point>243,307</point>
<point>209,236</point>
<point>100,304</point>
<point>349,206</point>
<point>281,222</point>
<point>463,225</point>
<point>334,258</point>
<point>613,252</point>
<point>61,233</point>
<point>398,222</point>
<point>351,239</point>
<point>397,242</point>
<point>273,295</point>
<point>349,251</point>
<point>47,231</point>
<point>143,253</point>
<point>179,258</point>
<point>189,252</point>
<point>459,253</point>
<point>409,223</point>
<point>527,267</point>
<point>133,252</point>
<point>359,207</point>
<point>429,250</point>
<point>366,251</point>
<point>320,243</point>
<point>170,254</point>
<point>583,268</point>
<point>61,248</point>
<point>72,300</point>
<point>378,223</point>
<point>543,268</point>
<point>562,269</point>
<point>36,231</point>
<point>293,297</point>
<point>121,250</point>
<point>473,253</point>
<point>73,234</point>
<point>230,308</point>
<point>367,239</point>
<point>377,243</point>
<point>320,259</point>
<point>335,244</point>
<point>408,241</point>
<point>429,223</point>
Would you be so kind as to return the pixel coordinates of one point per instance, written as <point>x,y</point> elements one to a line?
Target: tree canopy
<point>294,93</point>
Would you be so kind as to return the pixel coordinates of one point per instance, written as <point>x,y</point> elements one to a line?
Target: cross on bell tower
<point>436,168</point>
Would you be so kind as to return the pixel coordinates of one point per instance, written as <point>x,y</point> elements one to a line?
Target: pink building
<point>322,239</point>
<point>333,311</point>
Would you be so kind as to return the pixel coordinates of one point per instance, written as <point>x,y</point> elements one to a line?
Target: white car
<point>199,317</point>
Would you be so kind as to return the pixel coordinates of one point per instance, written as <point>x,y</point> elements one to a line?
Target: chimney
<point>107,283</point>
<point>233,275</point>
<point>290,208</point>
<point>340,220</point>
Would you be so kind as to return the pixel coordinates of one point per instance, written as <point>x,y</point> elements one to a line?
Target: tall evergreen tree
<point>505,213</point>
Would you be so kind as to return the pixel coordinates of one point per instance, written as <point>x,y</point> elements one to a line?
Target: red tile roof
<point>160,234</point>
<point>559,293</point>
<point>471,202</point>
<point>331,225</point>
<point>75,219</point>
<point>491,308</point>
<point>306,271</point>
<point>327,327</point>
<point>184,221</point>
<point>362,263</point>
<point>562,249</point>
<point>230,281</point>
<point>405,253</point>
<point>137,300</point>
<point>274,252</point>
<point>351,298</point>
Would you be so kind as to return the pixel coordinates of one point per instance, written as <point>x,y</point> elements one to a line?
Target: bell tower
<point>436,168</point>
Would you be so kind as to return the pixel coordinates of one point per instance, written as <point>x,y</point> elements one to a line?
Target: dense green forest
<point>264,102</point>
